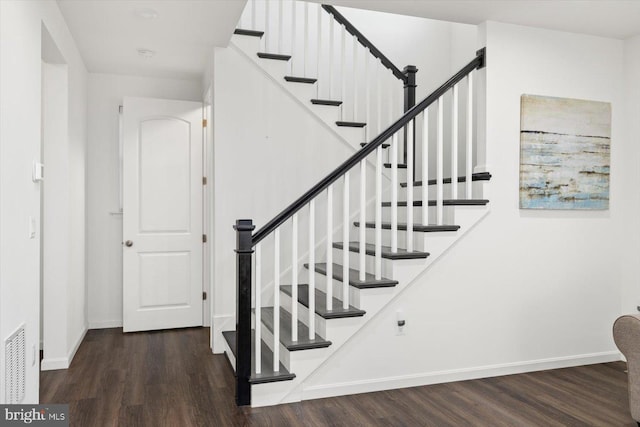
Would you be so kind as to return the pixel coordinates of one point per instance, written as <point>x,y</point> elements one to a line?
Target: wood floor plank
<point>170,378</point>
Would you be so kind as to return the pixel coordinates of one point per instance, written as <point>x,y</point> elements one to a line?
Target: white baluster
<point>440,163</point>
<point>355,79</point>
<point>409,136</point>
<point>378,229</point>
<point>280,26</point>
<point>345,243</point>
<point>425,168</point>
<point>294,18</point>
<point>294,278</point>
<point>454,144</point>
<point>312,268</point>
<point>331,47</point>
<point>363,218</point>
<point>469,159</point>
<point>253,15</point>
<point>391,87</point>
<point>330,248</point>
<point>319,50</point>
<point>266,26</point>
<point>276,302</point>
<point>258,329</point>
<point>394,192</point>
<point>343,78</point>
<point>379,77</point>
<point>306,38</point>
<point>367,92</point>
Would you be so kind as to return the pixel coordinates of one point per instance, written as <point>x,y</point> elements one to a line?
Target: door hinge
<point>204,123</point>
<point>204,238</point>
<point>204,180</point>
<point>204,296</point>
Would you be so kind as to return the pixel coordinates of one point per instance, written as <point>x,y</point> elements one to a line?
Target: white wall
<point>631,290</point>
<point>525,290</point>
<point>104,224</point>
<point>20,104</point>
<point>437,48</point>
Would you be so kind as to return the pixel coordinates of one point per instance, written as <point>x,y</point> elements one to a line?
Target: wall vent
<point>15,366</point>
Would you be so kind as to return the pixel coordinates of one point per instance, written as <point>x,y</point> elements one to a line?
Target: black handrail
<point>477,63</point>
<point>365,42</point>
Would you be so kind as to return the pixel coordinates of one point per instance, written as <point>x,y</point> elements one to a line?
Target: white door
<point>162,214</point>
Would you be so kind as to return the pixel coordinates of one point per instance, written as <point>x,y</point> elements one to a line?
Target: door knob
<point>128,243</point>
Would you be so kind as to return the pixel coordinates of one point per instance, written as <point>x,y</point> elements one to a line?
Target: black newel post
<point>244,249</point>
<point>409,101</point>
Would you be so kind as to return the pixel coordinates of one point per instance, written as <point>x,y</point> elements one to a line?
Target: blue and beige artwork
<point>564,153</point>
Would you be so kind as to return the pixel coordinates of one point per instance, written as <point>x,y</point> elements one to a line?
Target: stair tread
<point>326,102</point>
<point>295,79</point>
<point>267,375</point>
<point>369,281</point>
<point>321,303</point>
<point>343,123</point>
<point>252,33</point>
<point>416,227</point>
<point>370,249</point>
<point>400,165</point>
<point>446,202</point>
<point>303,342</point>
<point>480,176</point>
<point>276,56</point>
<point>362,144</point>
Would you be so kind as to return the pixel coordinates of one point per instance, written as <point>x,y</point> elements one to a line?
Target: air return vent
<point>15,366</point>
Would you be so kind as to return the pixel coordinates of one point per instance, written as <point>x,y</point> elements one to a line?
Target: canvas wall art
<point>564,153</point>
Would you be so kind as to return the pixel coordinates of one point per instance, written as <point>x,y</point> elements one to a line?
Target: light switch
<point>37,173</point>
<point>32,227</point>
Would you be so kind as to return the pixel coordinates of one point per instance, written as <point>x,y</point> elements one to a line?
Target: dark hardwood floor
<point>170,378</point>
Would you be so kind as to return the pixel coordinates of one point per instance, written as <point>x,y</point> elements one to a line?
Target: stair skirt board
<point>480,176</point>
<point>294,79</point>
<point>337,310</point>
<point>416,227</point>
<point>276,56</point>
<point>326,102</point>
<point>386,252</point>
<point>251,33</point>
<point>446,202</point>
<point>267,375</point>
<point>303,342</point>
<point>350,124</point>
<point>369,282</point>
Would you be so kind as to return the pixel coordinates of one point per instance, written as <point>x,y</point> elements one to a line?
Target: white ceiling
<point>109,32</point>
<point>607,18</point>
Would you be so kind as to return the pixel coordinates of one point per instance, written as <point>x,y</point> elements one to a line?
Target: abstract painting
<point>564,153</point>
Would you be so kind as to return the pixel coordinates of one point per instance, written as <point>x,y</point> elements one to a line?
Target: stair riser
<point>248,44</point>
<point>354,135</point>
<point>421,241</point>
<point>303,91</point>
<point>275,68</point>
<point>477,190</point>
<point>285,354</point>
<point>337,286</point>
<point>354,261</point>
<point>328,113</point>
<point>229,353</point>
<point>448,211</point>
<point>303,315</point>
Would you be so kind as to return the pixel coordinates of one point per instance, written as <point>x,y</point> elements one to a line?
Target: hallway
<point>170,378</point>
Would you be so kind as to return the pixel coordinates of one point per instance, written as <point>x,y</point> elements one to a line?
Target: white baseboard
<point>53,364</point>
<point>389,383</point>
<point>105,324</point>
